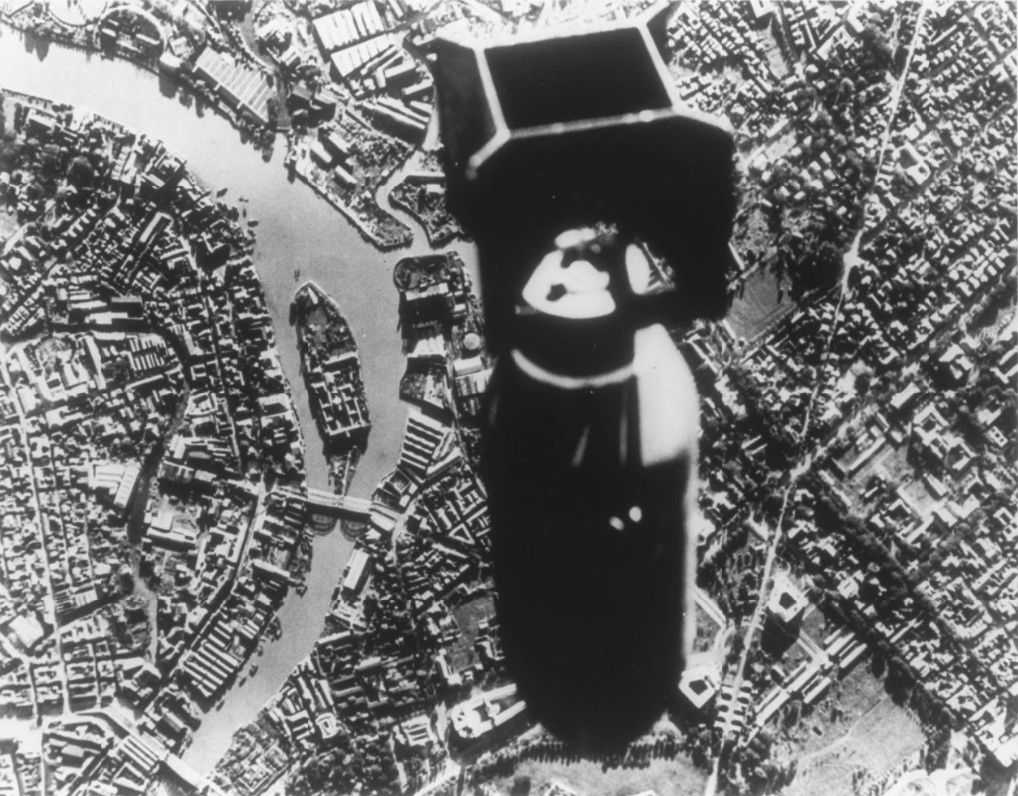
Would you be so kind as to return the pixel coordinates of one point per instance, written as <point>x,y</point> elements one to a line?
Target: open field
<point>675,777</point>
<point>8,225</point>
<point>856,728</point>
<point>468,617</point>
<point>759,306</point>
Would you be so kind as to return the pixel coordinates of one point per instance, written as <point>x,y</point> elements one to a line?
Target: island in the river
<point>153,481</point>
<point>421,193</point>
<point>858,447</point>
<point>331,368</point>
<point>412,624</point>
<point>348,86</point>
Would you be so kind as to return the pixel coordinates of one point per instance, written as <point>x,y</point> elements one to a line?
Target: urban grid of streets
<point>858,595</point>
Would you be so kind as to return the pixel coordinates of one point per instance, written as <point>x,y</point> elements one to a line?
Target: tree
<point>80,173</point>
<point>820,269</point>
<point>876,49</point>
<point>792,713</point>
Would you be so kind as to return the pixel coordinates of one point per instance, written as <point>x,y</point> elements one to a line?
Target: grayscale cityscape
<point>245,543</point>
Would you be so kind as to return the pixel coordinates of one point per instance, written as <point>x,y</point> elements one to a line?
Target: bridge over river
<point>297,230</point>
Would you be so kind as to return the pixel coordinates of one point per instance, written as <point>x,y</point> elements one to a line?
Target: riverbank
<point>330,364</point>
<point>296,230</point>
<point>40,35</point>
<point>348,162</point>
<point>399,236</point>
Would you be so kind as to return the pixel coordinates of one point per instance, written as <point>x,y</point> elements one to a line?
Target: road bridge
<point>319,501</point>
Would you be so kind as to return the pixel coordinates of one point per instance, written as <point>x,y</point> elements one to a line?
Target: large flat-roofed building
<point>357,572</point>
<point>699,686</point>
<point>230,8</point>
<point>244,88</point>
<point>354,39</point>
<point>347,26</point>
<point>357,57</point>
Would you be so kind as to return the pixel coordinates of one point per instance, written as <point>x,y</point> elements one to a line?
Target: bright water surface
<point>297,229</point>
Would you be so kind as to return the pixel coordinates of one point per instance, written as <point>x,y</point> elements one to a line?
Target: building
<point>357,572</point>
<point>785,610</point>
<point>489,717</point>
<point>244,89</point>
<point>699,687</point>
<point>230,8</point>
<point>787,604</point>
<point>346,26</point>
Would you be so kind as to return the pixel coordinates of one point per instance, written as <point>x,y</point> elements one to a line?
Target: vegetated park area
<point>468,618</point>
<point>855,728</point>
<point>761,302</point>
<point>8,225</point>
<point>676,776</point>
<point>8,218</point>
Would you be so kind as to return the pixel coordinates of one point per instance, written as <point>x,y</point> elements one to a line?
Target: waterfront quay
<point>156,488</point>
<point>323,248</point>
<point>332,371</point>
<point>412,628</point>
<point>857,453</point>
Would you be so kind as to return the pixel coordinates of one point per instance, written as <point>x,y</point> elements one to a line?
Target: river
<point>296,229</point>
